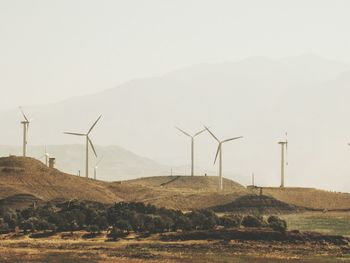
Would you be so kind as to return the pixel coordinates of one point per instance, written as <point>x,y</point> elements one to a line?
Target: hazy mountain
<point>258,98</point>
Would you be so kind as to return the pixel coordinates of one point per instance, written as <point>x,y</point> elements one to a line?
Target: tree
<point>252,221</point>
<point>183,223</point>
<point>277,224</point>
<point>230,222</point>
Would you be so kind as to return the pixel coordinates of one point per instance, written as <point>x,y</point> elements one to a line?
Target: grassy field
<point>79,251</point>
<point>337,223</point>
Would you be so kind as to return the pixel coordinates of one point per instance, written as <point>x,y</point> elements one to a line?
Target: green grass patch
<point>329,223</point>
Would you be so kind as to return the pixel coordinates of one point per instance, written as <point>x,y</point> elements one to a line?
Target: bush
<point>277,224</point>
<point>123,225</point>
<point>183,223</point>
<point>252,221</point>
<point>4,227</point>
<point>203,219</point>
<point>116,233</point>
<point>230,222</point>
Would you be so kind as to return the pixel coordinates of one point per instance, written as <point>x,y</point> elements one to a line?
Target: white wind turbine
<point>219,153</point>
<point>25,124</point>
<point>284,145</point>
<point>46,156</point>
<point>88,141</point>
<point>96,167</point>
<point>192,146</point>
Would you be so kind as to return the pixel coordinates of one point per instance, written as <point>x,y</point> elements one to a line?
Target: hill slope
<point>24,180</point>
<point>19,175</point>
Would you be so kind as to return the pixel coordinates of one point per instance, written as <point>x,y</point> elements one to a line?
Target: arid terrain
<point>307,211</point>
<point>27,176</point>
<point>74,248</point>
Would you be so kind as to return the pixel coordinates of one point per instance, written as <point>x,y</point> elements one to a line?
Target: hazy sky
<point>52,50</point>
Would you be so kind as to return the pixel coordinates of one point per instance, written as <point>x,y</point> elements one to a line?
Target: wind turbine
<point>192,146</point>
<point>284,145</point>
<point>88,141</point>
<point>47,156</point>
<point>96,167</point>
<point>25,124</point>
<point>219,153</point>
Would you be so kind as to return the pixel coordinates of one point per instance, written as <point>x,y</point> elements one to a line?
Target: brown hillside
<point>27,176</point>
<point>196,183</point>
<point>21,177</point>
<point>310,197</point>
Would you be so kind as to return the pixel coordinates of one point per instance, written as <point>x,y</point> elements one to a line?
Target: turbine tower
<point>88,142</point>
<point>96,167</point>
<point>25,124</point>
<point>284,146</point>
<point>192,146</point>
<point>219,153</point>
<point>46,156</point>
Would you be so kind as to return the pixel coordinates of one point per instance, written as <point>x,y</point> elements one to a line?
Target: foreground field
<point>97,250</point>
<point>236,245</point>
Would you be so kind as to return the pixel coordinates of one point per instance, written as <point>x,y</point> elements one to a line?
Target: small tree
<point>277,224</point>
<point>230,222</point>
<point>183,223</point>
<point>252,221</point>
<point>4,227</point>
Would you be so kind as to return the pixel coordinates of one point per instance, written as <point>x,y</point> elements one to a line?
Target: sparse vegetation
<point>121,218</point>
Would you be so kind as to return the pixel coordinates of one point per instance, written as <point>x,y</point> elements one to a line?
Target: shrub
<point>123,225</point>
<point>277,224</point>
<point>183,223</point>
<point>252,221</point>
<point>230,221</point>
<point>4,227</point>
<point>116,233</point>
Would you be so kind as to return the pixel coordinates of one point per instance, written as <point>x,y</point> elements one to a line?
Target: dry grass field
<point>67,248</point>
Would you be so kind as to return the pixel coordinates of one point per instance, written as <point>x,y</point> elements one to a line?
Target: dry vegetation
<point>32,180</point>
<point>74,248</point>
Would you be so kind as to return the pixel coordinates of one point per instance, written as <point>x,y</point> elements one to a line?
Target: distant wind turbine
<point>96,167</point>
<point>47,156</point>
<point>25,124</point>
<point>192,146</point>
<point>284,145</point>
<point>219,153</point>
<point>88,142</point>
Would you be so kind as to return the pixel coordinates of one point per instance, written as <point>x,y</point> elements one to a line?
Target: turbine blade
<point>25,117</point>
<point>183,132</point>
<point>212,134</point>
<point>217,152</point>
<point>99,162</point>
<point>73,133</point>
<point>231,139</point>
<point>199,132</point>
<point>94,124</point>
<point>92,146</point>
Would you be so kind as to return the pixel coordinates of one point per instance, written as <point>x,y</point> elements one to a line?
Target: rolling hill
<point>24,180</point>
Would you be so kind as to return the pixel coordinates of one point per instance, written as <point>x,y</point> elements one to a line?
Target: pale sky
<point>53,50</point>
